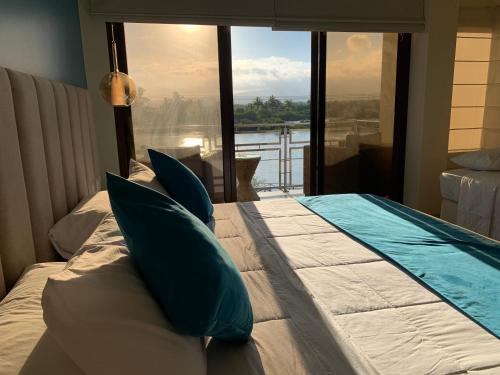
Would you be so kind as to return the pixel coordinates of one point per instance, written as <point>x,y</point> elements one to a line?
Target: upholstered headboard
<point>47,165</point>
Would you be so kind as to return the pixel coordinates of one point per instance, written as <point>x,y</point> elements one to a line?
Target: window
<point>298,112</point>
<point>271,84</point>
<point>359,112</point>
<point>177,109</point>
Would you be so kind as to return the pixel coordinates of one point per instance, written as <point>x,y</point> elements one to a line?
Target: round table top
<point>239,156</point>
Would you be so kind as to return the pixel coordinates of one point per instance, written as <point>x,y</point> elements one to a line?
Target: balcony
<point>283,149</point>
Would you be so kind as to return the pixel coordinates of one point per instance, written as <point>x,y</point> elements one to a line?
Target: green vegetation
<point>275,111</point>
<point>271,111</point>
<point>179,110</point>
<point>360,109</point>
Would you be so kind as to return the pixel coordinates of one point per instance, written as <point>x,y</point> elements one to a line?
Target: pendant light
<point>117,88</point>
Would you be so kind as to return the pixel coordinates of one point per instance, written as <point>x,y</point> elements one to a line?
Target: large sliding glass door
<point>276,113</point>
<point>177,110</point>
<point>271,90</point>
<point>359,112</point>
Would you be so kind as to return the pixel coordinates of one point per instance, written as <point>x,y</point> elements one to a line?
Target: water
<point>267,172</point>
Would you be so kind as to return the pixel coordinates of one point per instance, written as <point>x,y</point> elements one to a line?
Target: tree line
<point>179,110</point>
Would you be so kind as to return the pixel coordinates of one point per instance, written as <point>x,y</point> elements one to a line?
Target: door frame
<point>227,112</point>
<point>124,126</point>
<point>318,102</point>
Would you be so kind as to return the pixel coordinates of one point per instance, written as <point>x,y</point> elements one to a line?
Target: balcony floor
<point>279,194</point>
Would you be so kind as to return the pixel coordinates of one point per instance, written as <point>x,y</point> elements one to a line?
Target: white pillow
<point>144,176</point>
<point>481,160</point>
<point>69,233</point>
<point>99,310</point>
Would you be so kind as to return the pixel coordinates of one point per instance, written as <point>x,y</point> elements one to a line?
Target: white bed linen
<point>477,201</point>
<point>99,310</point>
<point>330,288</point>
<point>325,304</point>
<point>26,348</point>
<point>476,196</point>
<point>450,183</point>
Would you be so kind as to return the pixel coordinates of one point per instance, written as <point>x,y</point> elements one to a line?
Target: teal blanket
<point>461,267</point>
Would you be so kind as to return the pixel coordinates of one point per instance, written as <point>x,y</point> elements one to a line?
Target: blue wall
<point>42,37</point>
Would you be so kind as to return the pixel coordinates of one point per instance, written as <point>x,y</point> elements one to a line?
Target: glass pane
<point>271,80</point>
<point>359,119</point>
<point>177,110</point>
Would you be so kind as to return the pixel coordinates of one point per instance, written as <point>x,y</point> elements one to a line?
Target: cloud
<point>368,66</point>
<point>355,75</point>
<point>358,42</point>
<point>262,75</point>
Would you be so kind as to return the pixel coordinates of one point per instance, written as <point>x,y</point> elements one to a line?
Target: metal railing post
<point>285,158</point>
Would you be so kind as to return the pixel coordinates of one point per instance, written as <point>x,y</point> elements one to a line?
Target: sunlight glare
<point>189,142</point>
<point>190,28</point>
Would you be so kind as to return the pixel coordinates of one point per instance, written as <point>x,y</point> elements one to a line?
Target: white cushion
<point>69,233</point>
<point>481,160</point>
<point>101,313</point>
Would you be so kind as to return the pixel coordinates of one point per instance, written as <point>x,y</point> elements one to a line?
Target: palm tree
<point>273,102</point>
<point>258,103</point>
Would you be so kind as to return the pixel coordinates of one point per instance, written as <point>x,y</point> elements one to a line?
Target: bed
<point>323,302</point>
<point>469,199</point>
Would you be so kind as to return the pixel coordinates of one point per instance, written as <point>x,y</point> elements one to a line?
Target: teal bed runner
<point>461,267</point>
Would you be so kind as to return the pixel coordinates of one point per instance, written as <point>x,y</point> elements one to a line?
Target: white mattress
<point>327,304</point>
<point>450,183</point>
<point>26,348</point>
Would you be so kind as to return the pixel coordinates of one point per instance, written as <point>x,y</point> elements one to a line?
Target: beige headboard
<point>47,165</point>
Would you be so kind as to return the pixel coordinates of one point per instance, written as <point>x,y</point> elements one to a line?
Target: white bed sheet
<point>26,348</point>
<point>352,311</point>
<point>450,183</point>
<point>476,196</point>
<point>325,304</point>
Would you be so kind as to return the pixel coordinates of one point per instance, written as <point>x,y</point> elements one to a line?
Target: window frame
<point>124,125</point>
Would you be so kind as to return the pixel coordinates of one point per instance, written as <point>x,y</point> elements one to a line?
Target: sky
<point>182,58</point>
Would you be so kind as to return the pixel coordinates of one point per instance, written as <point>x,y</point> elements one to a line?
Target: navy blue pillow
<point>187,270</point>
<point>182,185</point>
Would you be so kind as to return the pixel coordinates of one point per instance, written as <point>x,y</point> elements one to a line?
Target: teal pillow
<point>182,185</point>
<point>187,270</point>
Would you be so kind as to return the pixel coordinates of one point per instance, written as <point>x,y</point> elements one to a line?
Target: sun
<point>190,28</point>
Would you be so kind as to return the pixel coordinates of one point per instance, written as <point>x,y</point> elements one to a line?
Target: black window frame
<point>124,125</point>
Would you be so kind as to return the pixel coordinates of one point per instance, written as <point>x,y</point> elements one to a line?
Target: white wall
<point>95,54</point>
<point>429,102</point>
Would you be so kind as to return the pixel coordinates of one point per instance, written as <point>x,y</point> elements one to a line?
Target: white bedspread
<point>478,202</point>
<point>325,304</point>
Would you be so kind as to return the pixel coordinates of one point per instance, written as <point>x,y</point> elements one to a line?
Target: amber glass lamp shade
<point>118,89</point>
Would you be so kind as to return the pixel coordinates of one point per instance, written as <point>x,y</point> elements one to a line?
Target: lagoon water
<point>267,172</point>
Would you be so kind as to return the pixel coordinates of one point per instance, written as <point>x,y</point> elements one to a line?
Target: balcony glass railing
<point>281,149</point>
